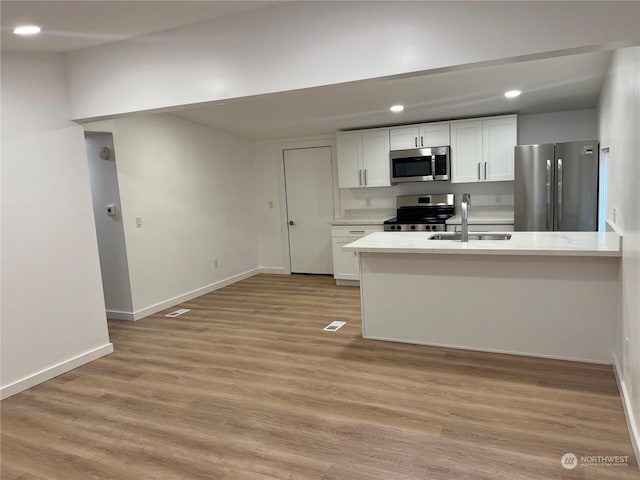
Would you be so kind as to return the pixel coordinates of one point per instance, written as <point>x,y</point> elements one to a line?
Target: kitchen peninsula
<point>546,294</point>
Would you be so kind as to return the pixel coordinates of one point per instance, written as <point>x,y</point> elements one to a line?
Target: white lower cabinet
<point>346,265</point>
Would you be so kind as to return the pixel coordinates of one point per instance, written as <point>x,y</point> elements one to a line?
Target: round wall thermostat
<point>104,153</point>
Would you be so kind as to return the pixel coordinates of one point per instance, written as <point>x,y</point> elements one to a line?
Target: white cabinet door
<point>345,264</point>
<point>499,137</point>
<point>434,135</point>
<point>404,138</point>
<point>375,158</point>
<point>349,154</point>
<point>466,151</point>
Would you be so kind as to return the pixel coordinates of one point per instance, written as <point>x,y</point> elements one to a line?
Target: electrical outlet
<point>138,222</point>
<point>615,216</point>
<point>270,203</point>
<point>215,263</point>
<point>498,199</point>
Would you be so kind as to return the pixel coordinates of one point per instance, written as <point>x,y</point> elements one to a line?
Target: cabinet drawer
<point>355,231</point>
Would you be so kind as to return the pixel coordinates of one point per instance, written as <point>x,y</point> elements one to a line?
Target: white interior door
<point>309,185</point>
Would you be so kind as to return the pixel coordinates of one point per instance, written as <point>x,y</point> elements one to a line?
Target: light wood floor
<point>247,386</point>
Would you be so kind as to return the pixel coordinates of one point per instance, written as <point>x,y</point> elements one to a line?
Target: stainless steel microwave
<point>420,165</point>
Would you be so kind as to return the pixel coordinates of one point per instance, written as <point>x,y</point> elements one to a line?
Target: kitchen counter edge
<point>585,244</point>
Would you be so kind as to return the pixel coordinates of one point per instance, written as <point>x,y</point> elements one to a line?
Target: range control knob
<point>413,227</point>
<point>433,227</point>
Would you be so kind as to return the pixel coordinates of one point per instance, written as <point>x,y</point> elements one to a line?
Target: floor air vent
<point>333,326</point>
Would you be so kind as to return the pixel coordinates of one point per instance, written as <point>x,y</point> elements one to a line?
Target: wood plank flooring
<point>247,386</point>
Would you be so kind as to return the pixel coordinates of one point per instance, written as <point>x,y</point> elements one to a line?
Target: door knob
<point>291,222</point>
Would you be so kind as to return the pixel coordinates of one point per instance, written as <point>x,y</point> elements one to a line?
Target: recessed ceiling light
<point>512,93</point>
<point>27,30</point>
<point>397,108</point>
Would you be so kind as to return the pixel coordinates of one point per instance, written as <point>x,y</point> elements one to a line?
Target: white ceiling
<point>548,85</point>
<point>71,25</point>
<point>556,84</point>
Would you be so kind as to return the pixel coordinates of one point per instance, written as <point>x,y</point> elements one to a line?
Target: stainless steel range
<point>421,213</point>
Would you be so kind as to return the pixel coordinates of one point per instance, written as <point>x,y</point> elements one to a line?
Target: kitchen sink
<point>472,236</point>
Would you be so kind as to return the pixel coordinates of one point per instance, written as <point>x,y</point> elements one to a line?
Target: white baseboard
<point>158,307</point>
<point>492,350</point>
<point>274,270</point>
<point>348,283</point>
<point>630,415</point>
<point>54,371</point>
<point>118,315</point>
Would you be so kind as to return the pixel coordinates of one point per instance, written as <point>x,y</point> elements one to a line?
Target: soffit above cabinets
<point>549,85</point>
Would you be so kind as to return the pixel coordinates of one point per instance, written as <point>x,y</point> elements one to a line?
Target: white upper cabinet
<point>434,135</point>
<point>499,137</point>
<point>363,159</point>
<point>349,154</point>
<point>482,150</point>
<point>466,151</point>
<point>417,136</point>
<point>403,138</point>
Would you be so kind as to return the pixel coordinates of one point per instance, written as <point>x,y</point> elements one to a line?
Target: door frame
<point>313,142</point>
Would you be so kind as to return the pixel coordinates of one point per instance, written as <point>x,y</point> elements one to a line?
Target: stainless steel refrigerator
<point>556,187</point>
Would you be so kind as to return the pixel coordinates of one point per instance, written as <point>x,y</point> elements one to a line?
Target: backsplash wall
<point>381,201</point>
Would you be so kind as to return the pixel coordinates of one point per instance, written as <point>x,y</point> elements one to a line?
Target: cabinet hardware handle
<point>478,170</point>
<point>485,170</point>
<point>356,231</point>
<point>559,213</point>
<point>421,141</point>
<point>360,177</point>
<point>548,195</point>
<point>416,139</point>
<point>365,178</point>
<point>291,222</point>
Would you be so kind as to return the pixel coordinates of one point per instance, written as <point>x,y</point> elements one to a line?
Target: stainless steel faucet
<point>466,203</point>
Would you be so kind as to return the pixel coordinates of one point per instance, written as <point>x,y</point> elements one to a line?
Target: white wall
<point>619,127</point>
<point>296,45</point>
<point>53,316</point>
<point>110,229</point>
<point>570,126</point>
<point>192,187</point>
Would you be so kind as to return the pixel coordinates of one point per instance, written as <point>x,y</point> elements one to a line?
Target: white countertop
<point>521,243</point>
<point>485,216</point>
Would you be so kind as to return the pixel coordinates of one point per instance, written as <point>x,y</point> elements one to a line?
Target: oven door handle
<point>433,167</point>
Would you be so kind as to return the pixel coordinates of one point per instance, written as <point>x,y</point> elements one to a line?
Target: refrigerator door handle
<point>548,195</point>
<point>559,212</point>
